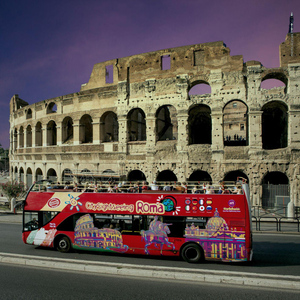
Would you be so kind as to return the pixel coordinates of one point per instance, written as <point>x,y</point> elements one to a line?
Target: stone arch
<point>109,127</point>
<point>166,123</point>
<point>29,179</point>
<point>235,123</point>
<point>86,129</point>
<point>199,125</point>
<point>274,125</point>
<point>52,175</point>
<point>136,125</point>
<point>28,136</point>
<point>166,175</point>
<point>67,175</point>
<point>51,133</point>
<point>51,108</point>
<point>21,137</point>
<point>200,176</point>
<point>67,130</point>
<point>22,176</point>
<point>15,140</point>
<point>232,176</point>
<point>270,79</point>
<point>136,175</point>
<point>199,87</point>
<point>38,174</point>
<point>38,134</point>
<point>29,114</point>
<point>275,190</point>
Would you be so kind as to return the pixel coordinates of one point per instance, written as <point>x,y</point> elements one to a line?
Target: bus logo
<point>231,203</point>
<point>53,202</point>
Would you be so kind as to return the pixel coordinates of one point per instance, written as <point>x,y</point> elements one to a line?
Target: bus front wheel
<point>63,244</point>
<point>192,253</point>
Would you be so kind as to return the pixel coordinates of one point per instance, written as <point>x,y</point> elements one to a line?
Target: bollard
<point>291,210</point>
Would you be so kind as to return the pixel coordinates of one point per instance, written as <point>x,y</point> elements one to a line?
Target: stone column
<point>217,130</point>
<point>76,132</point>
<point>254,129</point>
<point>183,138</point>
<point>44,133</point>
<point>96,132</point>
<point>59,135</point>
<point>150,132</point>
<point>123,136</point>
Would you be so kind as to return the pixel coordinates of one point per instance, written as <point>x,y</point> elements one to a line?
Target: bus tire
<point>63,244</point>
<point>192,253</point>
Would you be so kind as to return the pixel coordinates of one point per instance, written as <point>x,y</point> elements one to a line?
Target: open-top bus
<point>195,226</point>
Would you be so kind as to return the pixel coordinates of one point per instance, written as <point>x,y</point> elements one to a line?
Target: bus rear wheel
<point>192,253</point>
<point>63,244</point>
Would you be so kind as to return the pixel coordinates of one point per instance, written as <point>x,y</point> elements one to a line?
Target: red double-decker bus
<point>196,226</point>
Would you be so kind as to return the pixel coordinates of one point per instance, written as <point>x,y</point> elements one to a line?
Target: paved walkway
<point>10,217</point>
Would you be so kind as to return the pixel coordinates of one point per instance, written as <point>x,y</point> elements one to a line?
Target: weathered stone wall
<point>139,82</point>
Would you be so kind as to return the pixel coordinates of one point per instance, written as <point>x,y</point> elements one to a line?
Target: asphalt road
<point>273,254</point>
<point>18,282</point>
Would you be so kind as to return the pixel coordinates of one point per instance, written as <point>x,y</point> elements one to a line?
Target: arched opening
<point>199,124</point>
<point>15,141</point>
<point>166,175</point>
<point>28,136</point>
<point>51,108</point>
<point>136,175</point>
<point>235,124</point>
<point>38,135</point>
<point>51,175</point>
<point>15,175</point>
<point>22,177</point>
<point>29,114</point>
<point>199,88</point>
<point>67,130</point>
<point>275,190</point>
<point>38,174</point>
<point>51,133</point>
<point>200,176</point>
<point>86,129</point>
<point>67,175</point>
<point>274,125</point>
<point>29,177</point>
<point>21,137</point>
<point>136,125</point>
<point>234,175</point>
<point>275,81</point>
<point>109,127</point>
<point>166,123</point>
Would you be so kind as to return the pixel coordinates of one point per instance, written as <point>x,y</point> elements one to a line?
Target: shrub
<point>13,189</point>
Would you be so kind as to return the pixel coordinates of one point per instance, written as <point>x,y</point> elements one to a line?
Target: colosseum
<point>187,114</point>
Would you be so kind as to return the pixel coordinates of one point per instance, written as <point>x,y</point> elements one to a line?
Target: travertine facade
<point>137,118</point>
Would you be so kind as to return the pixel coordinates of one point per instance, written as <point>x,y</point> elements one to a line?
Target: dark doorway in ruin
<point>22,178</point>
<point>29,136</point>
<point>38,135</point>
<point>21,137</point>
<point>136,175</point>
<point>199,124</point>
<point>200,176</point>
<point>51,108</point>
<point>136,125</point>
<point>67,130</point>
<point>38,174</point>
<point>235,124</point>
<point>167,176</point>
<point>275,190</point>
<point>274,125</point>
<point>51,175</point>
<point>86,129</point>
<point>234,175</point>
<point>51,133</point>
<point>109,127</point>
<point>166,123</point>
<point>29,177</point>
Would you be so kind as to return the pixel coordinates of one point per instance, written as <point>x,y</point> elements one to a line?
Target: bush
<point>13,189</point>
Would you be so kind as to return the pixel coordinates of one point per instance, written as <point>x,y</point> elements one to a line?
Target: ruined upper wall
<point>191,60</point>
<point>289,50</point>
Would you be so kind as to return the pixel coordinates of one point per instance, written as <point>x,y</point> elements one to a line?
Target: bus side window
<point>176,225</point>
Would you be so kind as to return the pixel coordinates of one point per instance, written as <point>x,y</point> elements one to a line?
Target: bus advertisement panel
<point>195,226</point>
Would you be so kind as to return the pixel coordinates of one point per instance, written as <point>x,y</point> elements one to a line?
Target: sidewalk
<point>7,217</point>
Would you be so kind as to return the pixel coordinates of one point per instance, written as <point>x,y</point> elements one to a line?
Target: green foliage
<point>13,189</point>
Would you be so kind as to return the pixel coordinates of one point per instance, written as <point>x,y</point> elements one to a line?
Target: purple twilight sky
<point>48,48</point>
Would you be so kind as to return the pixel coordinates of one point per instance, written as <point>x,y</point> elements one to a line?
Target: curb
<point>192,275</point>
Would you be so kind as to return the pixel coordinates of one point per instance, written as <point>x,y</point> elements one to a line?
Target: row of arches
<point>235,127</point>
<point>272,184</point>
